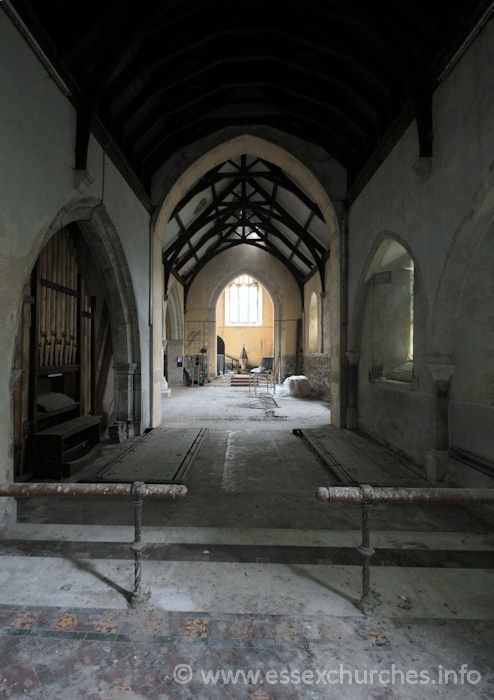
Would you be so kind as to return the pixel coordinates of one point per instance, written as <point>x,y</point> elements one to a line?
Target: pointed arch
<point>174,316</point>
<point>104,243</point>
<point>373,264</point>
<point>306,180</point>
<point>465,243</point>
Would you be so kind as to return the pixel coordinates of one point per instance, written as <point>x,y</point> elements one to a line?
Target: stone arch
<point>173,339</point>
<point>381,249</point>
<point>248,267</point>
<point>103,241</point>
<point>471,371</point>
<point>371,266</point>
<point>255,146</point>
<point>302,175</point>
<point>271,297</point>
<point>465,243</point>
<point>451,429</point>
<point>175,316</point>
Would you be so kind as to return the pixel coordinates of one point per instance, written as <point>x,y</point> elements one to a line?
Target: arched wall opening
<point>472,385</point>
<point>245,321</point>
<point>209,285</point>
<point>386,343</point>
<point>173,338</point>
<point>389,382</point>
<point>461,353</point>
<point>316,341</point>
<point>87,351</point>
<point>254,146</point>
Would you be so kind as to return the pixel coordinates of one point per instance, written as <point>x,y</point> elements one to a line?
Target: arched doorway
<point>220,356</point>
<point>245,321</point>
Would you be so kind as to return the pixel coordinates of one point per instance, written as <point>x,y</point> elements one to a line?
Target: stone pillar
<point>8,506</point>
<point>175,370</point>
<point>165,390</point>
<point>438,456</point>
<point>352,406</point>
<point>321,340</point>
<point>127,395</point>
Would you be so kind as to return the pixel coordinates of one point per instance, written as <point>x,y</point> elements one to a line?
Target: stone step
<point>242,380</point>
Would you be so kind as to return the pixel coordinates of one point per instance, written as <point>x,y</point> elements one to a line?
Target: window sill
<point>394,384</point>
<point>403,373</point>
<point>230,324</point>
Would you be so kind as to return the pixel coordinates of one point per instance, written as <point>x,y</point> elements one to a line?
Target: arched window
<point>411,270</point>
<point>313,324</point>
<point>389,338</point>
<point>243,302</point>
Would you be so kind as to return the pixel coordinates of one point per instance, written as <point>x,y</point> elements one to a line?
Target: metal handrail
<point>366,496</point>
<point>138,491</point>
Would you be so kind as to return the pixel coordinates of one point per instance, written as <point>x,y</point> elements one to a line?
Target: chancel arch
<point>300,175</point>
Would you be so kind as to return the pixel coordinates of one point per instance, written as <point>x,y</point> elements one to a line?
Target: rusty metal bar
<point>366,495</point>
<point>380,494</point>
<point>365,549</point>
<point>138,491</point>
<point>138,596</point>
<point>68,490</point>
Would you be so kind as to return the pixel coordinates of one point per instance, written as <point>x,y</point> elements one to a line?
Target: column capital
<point>353,356</point>
<point>82,180</point>
<point>125,368</point>
<point>441,367</point>
<point>14,378</point>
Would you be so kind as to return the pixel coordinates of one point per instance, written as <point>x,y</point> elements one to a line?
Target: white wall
<point>273,275</point>
<point>37,142</point>
<point>427,211</point>
<point>439,215</point>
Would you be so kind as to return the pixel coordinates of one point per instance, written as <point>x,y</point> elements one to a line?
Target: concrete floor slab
<point>295,590</point>
<point>66,629</point>
<point>450,541</point>
<point>159,456</point>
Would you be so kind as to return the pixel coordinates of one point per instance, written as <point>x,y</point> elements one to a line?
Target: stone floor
<point>254,584</point>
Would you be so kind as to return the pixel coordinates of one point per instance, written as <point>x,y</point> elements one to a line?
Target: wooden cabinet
<point>63,449</point>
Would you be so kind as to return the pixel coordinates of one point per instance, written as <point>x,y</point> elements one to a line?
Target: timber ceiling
<point>156,76</point>
<point>245,201</point>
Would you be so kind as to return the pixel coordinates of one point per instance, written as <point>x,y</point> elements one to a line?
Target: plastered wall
<point>206,290</point>
<point>439,209</point>
<point>37,141</point>
<point>257,340</point>
<point>317,362</point>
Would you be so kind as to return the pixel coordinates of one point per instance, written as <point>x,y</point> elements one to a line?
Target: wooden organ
<point>63,432</point>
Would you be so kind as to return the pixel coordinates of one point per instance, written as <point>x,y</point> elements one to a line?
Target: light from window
<point>243,299</point>
<point>313,324</point>
<point>410,341</point>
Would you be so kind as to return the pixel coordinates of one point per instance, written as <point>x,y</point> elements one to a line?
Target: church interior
<point>247,282</point>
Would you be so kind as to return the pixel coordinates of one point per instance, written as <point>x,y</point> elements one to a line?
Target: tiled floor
<point>254,584</point>
<point>97,653</point>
